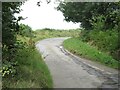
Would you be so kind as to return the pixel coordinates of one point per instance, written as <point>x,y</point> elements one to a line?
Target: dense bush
<point>10,28</point>
<point>30,72</point>
<point>106,41</point>
<point>25,30</point>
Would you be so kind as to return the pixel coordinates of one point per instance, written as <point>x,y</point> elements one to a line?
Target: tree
<point>10,28</point>
<point>25,30</point>
<point>84,12</point>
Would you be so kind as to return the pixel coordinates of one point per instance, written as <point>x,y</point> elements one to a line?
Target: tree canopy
<point>10,27</point>
<point>87,12</point>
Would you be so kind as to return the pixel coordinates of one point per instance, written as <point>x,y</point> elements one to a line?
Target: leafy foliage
<point>29,64</point>
<point>25,30</point>
<point>10,28</point>
<point>104,41</point>
<point>9,23</point>
<point>85,12</point>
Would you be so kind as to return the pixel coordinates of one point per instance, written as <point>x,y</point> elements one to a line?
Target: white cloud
<point>44,16</point>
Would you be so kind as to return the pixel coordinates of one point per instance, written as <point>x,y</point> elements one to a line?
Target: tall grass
<point>31,70</point>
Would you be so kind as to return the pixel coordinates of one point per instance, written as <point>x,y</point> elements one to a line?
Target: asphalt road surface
<point>70,71</point>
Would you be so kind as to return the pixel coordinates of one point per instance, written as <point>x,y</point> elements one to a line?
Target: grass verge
<point>76,46</point>
<point>31,71</point>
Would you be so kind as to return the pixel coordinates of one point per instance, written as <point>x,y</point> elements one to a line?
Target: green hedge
<point>106,41</point>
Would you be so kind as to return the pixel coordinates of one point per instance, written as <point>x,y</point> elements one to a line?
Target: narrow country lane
<point>69,71</point>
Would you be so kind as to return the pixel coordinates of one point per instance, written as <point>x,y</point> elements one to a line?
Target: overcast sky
<point>44,16</point>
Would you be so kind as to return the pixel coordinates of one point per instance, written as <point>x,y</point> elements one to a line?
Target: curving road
<point>70,71</point>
